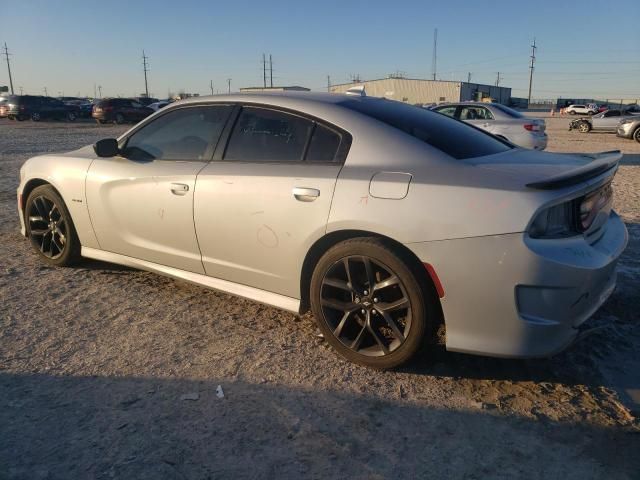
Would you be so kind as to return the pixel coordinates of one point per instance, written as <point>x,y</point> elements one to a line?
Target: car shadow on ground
<point>58,427</point>
<point>631,158</point>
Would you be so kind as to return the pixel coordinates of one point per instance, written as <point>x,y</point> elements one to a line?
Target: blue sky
<point>589,48</point>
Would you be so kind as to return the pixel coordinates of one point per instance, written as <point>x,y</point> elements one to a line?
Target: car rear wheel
<point>571,112</point>
<point>584,127</point>
<point>71,116</point>
<point>35,116</point>
<point>368,304</point>
<point>50,228</point>
<point>119,119</point>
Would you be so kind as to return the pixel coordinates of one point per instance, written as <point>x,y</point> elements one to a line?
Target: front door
<point>260,207</point>
<point>141,202</point>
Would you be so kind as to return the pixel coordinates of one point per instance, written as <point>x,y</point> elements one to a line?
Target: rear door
<point>141,202</point>
<point>265,200</point>
<point>608,121</point>
<point>479,116</point>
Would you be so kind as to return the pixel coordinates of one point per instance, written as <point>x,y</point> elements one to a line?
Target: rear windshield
<point>509,111</point>
<point>448,135</point>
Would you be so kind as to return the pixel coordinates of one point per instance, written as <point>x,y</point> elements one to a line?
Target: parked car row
<point>610,121</point>
<point>395,225</point>
<point>36,108</point>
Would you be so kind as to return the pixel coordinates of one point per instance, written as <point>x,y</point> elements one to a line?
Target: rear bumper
<point>530,140</point>
<point>513,296</point>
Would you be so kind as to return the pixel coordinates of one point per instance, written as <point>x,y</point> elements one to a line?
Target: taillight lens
<point>554,222</point>
<point>532,127</point>
<point>592,204</point>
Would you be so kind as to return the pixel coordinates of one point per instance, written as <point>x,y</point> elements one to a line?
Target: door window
<point>263,135</point>
<point>183,134</point>
<point>448,111</point>
<point>475,113</point>
<point>323,146</point>
<point>612,113</point>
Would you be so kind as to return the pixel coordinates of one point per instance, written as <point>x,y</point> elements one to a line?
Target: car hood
<point>548,170</point>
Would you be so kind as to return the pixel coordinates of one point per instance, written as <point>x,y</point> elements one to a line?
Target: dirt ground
<point>108,372</point>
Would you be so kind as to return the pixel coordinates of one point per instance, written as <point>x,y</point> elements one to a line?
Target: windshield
<point>448,135</point>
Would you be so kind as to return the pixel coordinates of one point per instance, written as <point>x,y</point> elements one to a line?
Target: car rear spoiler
<point>601,163</point>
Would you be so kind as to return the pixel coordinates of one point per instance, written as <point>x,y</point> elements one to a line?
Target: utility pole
<point>469,77</point>
<point>328,84</point>
<point>45,92</point>
<point>498,79</point>
<point>6,54</point>
<point>533,60</point>
<point>434,59</point>
<point>211,86</point>
<point>100,91</point>
<point>264,70</point>
<point>145,67</point>
<point>229,84</point>
<point>271,70</point>
<point>94,91</point>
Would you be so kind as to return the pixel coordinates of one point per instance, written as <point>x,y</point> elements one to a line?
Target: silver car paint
<point>466,218</point>
<point>507,127</point>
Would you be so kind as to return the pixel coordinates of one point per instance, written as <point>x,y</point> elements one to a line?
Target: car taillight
<point>532,127</point>
<point>107,109</point>
<point>592,204</point>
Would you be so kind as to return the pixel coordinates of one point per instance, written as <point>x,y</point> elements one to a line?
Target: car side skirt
<point>269,298</point>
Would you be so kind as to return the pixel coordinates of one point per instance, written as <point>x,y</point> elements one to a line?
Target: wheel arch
<point>324,243</point>
<point>29,187</point>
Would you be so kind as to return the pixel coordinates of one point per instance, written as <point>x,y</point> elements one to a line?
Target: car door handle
<point>179,188</point>
<point>306,194</point>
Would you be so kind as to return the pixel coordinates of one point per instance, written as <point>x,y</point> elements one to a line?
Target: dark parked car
<point>146,101</point>
<point>22,107</point>
<point>120,110</point>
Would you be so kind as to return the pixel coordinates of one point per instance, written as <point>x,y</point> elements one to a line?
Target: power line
<point>6,54</point>
<point>145,67</point>
<point>533,59</point>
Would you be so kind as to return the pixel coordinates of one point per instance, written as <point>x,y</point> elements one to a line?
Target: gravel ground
<point>108,372</point>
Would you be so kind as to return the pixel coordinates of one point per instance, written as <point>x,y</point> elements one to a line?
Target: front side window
<point>263,135</point>
<point>448,111</point>
<point>183,134</point>
<point>475,113</point>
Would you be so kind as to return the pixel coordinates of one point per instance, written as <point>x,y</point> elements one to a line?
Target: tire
<point>20,118</point>
<point>36,117</point>
<point>571,112</point>
<point>100,122</point>
<point>71,116</point>
<point>381,329</point>
<point>584,127</point>
<point>636,135</point>
<point>50,228</point>
<point>119,118</point>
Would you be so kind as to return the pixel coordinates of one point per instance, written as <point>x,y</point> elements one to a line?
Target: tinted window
<point>183,134</point>
<point>323,146</point>
<point>262,135</point>
<point>612,113</point>
<point>452,137</point>
<point>449,111</point>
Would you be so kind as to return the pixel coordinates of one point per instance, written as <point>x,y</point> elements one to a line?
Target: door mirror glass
<point>107,147</point>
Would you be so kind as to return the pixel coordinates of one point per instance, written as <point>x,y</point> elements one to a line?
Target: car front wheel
<point>35,116</point>
<point>50,228</point>
<point>119,119</point>
<point>71,116</point>
<point>368,303</point>
<point>636,135</point>
<point>584,127</point>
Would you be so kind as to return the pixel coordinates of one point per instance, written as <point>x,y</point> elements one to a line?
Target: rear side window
<point>507,111</point>
<point>448,111</point>
<point>263,135</point>
<point>183,134</point>
<point>450,136</point>
<point>323,146</point>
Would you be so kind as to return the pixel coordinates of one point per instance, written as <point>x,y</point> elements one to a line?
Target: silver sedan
<point>501,121</point>
<point>393,224</point>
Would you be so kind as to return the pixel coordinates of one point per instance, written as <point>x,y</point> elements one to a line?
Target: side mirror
<point>107,147</point>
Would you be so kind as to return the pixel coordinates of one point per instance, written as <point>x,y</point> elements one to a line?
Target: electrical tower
<point>533,60</point>
<point>6,54</point>
<point>145,67</point>
<point>434,58</point>
<point>264,71</point>
<point>355,78</point>
<point>498,80</point>
<point>211,86</point>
